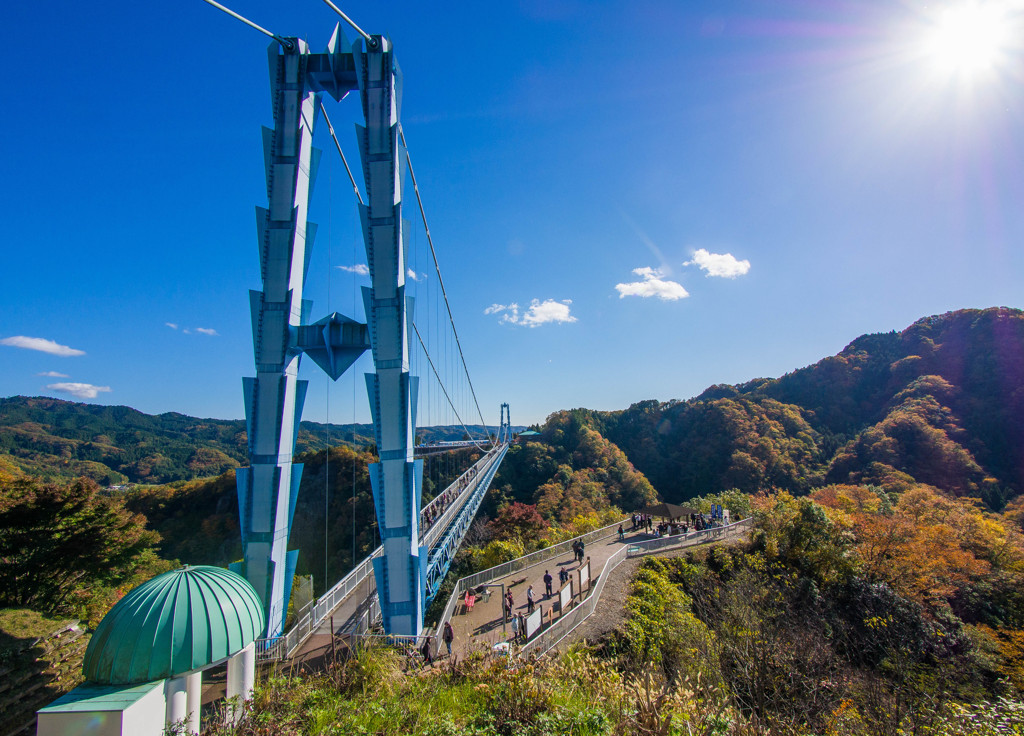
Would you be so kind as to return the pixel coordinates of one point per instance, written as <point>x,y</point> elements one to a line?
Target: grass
<point>21,623</point>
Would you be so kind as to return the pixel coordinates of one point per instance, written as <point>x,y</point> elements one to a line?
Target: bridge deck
<point>347,613</point>
<point>483,627</point>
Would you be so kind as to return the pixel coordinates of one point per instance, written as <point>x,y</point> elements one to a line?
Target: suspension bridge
<point>391,588</point>
<point>393,585</point>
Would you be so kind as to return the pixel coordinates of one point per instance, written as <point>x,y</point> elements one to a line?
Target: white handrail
<point>565,625</point>
<point>314,614</point>
<point>519,563</point>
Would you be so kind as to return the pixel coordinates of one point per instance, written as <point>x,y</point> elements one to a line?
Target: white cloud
<point>724,265</point>
<point>207,331</point>
<point>547,311</point>
<point>652,285</point>
<point>53,374</point>
<point>79,390</point>
<point>171,325</point>
<point>538,313</point>
<point>42,345</point>
<point>499,308</point>
<point>360,268</point>
<point>415,276</point>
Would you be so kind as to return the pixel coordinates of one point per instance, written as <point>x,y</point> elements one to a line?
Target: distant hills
<point>941,403</point>
<point>51,438</point>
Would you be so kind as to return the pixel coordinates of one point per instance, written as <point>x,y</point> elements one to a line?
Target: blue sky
<point>804,172</point>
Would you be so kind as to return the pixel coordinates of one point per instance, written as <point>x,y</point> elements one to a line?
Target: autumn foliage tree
<point>62,542</point>
<point>517,521</point>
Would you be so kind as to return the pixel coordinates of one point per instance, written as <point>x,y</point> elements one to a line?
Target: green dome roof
<point>177,622</point>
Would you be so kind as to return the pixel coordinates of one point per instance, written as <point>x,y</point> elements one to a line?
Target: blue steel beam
<point>397,478</point>
<point>443,553</point>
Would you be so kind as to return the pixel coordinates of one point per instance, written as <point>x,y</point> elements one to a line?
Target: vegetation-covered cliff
<point>941,402</point>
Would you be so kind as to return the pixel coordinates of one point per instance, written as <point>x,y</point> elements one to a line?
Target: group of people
<point>518,620</point>
<point>577,550</point>
<point>437,507</point>
<point>696,522</point>
<point>509,614</point>
<point>642,521</point>
<point>447,636</point>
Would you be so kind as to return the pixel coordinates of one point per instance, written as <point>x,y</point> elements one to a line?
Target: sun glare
<point>968,38</point>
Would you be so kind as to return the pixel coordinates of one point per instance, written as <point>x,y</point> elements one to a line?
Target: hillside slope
<point>51,438</point>
<point>941,402</point>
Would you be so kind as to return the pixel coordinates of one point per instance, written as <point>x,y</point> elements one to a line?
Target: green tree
<point>57,541</point>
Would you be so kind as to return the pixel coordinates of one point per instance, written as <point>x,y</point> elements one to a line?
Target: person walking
<point>548,580</point>
<point>515,629</point>
<point>581,550</point>
<point>529,599</point>
<point>425,651</point>
<point>563,576</point>
<point>448,636</point>
<point>622,534</point>
<point>509,604</point>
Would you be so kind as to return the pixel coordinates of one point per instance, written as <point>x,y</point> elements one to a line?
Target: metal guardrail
<point>520,563</point>
<point>534,558</point>
<point>453,525</point>
<point>314,613</point>
<point>566,624</point>
<point>437,529</point>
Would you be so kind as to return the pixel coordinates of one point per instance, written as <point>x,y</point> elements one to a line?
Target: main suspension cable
<point>351,178</point>
<point>369,39</point>
<point>441,384</point>
<point>437,268</point>
<point>281,40</point>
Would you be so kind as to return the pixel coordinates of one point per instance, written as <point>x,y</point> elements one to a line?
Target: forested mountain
<point>570,471</point>
<point>51,438</point>
<point>209,506</point>
<point>941,403</point>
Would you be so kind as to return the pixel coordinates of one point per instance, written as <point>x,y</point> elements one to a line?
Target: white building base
<point>106,710</point>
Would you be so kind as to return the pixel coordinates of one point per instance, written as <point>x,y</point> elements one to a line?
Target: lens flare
<point>968,38</point>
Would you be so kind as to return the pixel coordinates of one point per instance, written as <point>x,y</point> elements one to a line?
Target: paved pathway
<point>349,610</point>
<point>482,628</point>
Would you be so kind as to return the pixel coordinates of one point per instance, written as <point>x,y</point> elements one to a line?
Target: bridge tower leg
<point>397,477</point>
<point>268,488</point>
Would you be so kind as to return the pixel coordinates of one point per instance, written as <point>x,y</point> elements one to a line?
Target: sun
<point>968,39</point>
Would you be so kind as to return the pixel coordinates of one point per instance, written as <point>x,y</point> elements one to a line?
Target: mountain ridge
<point>52,438</point>
<point>939,402</point>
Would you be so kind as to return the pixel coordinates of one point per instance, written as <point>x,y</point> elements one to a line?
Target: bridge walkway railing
<point>520,563</point>
<point>566,624</point>
<point>312,616</point>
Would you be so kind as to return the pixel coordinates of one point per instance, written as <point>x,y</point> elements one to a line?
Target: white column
<point>249,670</point>
<point>177,700</point>
<point>241,679</point>
<point>194,684</point>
